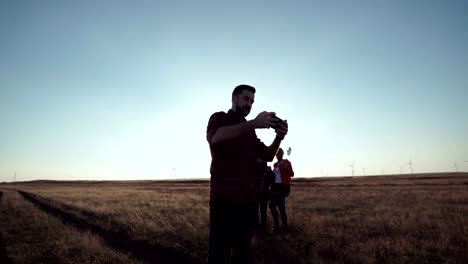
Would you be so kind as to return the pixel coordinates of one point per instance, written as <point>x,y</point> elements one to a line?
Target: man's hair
<point>238,90</point>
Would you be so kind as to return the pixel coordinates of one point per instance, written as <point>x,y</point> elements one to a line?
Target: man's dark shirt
<point>232,164</point>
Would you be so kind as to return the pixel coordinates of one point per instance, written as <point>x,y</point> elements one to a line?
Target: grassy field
<point>393,219</point>
<point>29,235</point>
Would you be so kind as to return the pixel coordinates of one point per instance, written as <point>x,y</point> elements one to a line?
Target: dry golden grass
<point>32,236</point>
<point>402,219</point>
<point>173,216</point>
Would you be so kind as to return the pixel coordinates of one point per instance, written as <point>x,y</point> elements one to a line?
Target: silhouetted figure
<point>263,180</point>
<point>234,146</point>
<point>280,190</point>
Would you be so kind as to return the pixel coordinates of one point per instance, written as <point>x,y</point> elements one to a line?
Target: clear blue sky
<point>124,89</point>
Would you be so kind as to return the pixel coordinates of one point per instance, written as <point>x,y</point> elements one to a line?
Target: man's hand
<point>282,129</point>
<point>263,120</point>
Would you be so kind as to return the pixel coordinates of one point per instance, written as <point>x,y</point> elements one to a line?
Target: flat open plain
<point>420,218</point>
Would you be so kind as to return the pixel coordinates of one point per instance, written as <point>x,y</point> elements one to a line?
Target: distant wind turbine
<point>411,164</point>
<point>401,169</point>
<point>363,171</point>
<point>352,168</point>
<point>14,178</point>
<point>455,165</point>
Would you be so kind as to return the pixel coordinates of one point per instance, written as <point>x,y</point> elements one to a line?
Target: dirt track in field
<point>116,238</point>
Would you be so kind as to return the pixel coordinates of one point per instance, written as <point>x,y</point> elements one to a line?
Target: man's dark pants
<point>231,227</point>
<point>281,191</point>
<point>262,204</point>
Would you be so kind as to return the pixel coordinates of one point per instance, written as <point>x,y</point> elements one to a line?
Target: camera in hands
<point>276,121</point>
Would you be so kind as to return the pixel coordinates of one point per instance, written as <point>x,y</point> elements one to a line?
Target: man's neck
<point>236,113</point>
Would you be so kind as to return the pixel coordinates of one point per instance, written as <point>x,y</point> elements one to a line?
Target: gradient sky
<point>110,90</point>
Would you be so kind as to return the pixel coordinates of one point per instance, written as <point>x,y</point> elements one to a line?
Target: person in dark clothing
<point>280,190</point>
<point>263,180</point>
<point>234,146</point>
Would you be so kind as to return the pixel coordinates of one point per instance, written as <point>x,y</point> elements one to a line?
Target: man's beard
<point>242,111</point>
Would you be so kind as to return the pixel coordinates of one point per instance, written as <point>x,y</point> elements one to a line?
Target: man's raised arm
<point>227,133</point>
<point>231,132</point>
<point>281,132</point>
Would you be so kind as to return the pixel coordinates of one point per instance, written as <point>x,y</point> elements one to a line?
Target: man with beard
<point>234,147</point>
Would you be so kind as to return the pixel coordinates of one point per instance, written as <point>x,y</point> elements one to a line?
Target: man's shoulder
<point>217,116</point>
<point>220,113</point>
